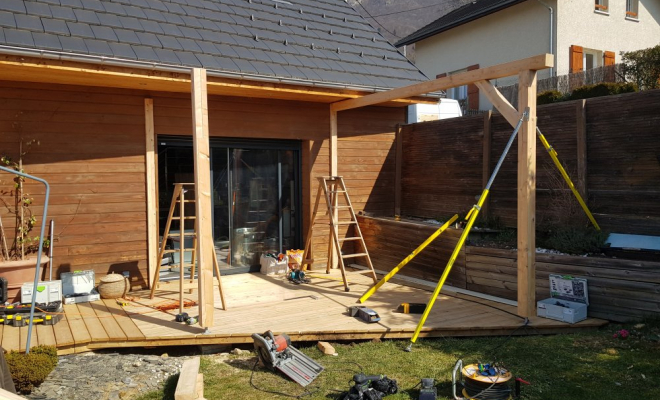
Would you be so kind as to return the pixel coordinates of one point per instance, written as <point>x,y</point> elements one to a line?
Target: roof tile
<point>114,8</point>
<point>104,33</point>
<point>93,5</point>
<point>98,47</point>
<point>86,16</point>
<point>167,56</point>
<point>131,23</point>
<point>38,9</point>
<point>127,36</point>
<point>109,20</point>
<point>55,26</point>
<point>65,13</point>
<point>145,53</point>
<point>148,39</point>
<point>122,50</point>
<point>79,29</point>
<point>46,41</point>
<point>71,3</point>
<point>151,26</point>
<point>13,6</point>
<point>169,42</point>
<point>73,44</point>
<point>7,19</point>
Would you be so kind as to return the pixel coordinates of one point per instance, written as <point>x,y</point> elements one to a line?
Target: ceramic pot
<point>17,273</point>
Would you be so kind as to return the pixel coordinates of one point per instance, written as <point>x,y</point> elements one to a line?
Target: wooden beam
<point>581,126</point>
<point>535,63</point>
<point>152,196</point>
<point>187,387</point>
<point>333,254</point>
<point>493,95</point>
<point>398,165</point>
<point>487,144</point>
<point>203,221</point>
<point>34,69</point>
<point>527,196</point>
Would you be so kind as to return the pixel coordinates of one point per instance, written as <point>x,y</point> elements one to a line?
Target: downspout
<point>552,17</point>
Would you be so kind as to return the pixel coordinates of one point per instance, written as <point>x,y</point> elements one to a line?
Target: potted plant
<point>19,242</point>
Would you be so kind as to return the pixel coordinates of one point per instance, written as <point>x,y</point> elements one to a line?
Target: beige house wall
<point>579,24</point>
<point>523,30</point>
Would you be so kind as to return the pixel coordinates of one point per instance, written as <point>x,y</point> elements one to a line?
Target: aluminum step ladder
<point>340,213</point>
<point>179,201</point>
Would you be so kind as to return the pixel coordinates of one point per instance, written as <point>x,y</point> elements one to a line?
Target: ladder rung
<point>354,255</point>
<point>187,201</point>
<point>184,234</point>
<point>336,191</point>
<point>170,251</point>
<point>350,238</point>
<point>340,206</point>
<point>346,222</point>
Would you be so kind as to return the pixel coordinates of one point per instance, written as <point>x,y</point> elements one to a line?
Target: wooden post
<point>203,221</point>
<point>398,165</point>
<point>150,177</point>
<point>527,195</point>
<point>487,140</point>
<point>333,261</point>
<point>581,126</point>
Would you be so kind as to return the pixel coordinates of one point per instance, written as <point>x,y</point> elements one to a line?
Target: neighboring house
<point>79,76</point>
<point>582,34</point>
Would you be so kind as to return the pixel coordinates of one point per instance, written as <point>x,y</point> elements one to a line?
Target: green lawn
<point>584,366</point>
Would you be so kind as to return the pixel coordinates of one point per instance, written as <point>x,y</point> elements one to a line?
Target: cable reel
<point>482,382</point>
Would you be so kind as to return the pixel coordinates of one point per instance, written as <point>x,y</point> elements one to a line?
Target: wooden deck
<point>257,303</point>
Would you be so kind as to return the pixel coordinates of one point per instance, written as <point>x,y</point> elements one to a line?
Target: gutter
<point>552,13</point>
<point>162,67</point>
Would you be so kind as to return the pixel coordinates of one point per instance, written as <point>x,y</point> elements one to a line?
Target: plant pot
<point>17,273</point>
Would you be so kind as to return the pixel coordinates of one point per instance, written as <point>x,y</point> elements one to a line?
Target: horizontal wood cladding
<point>619,290</point>
<point>389,242</point>
<point>442,163</point>
<point>91,151</point>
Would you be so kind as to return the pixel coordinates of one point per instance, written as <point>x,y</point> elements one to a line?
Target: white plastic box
<point>568,302</point>
<point>78,287</point>
<point>47,292</point>
<point>270,266</point>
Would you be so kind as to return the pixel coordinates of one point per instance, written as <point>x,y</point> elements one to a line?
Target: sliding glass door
<point>256,195</point>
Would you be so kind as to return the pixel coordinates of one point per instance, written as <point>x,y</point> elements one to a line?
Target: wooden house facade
<point>97,95</point>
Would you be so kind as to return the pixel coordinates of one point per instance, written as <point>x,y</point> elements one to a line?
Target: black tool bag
<point>372,390</point>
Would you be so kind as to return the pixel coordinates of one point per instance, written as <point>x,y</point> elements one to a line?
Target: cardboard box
<point>568,302</point>
<point>47,292</point>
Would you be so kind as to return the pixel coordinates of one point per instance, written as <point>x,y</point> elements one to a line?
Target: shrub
<point>574,240</point>
<point>549,96</point>
<point>30,370</point>
<point>643,67</point>
<point>602,89</point>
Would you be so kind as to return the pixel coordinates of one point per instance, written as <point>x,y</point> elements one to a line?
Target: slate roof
<point>325,42</point>
<point>458,17</point>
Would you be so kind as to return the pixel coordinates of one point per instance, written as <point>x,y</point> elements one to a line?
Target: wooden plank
<point>581,128</point>
<point>398,167</point>
<point>46,334</point>
<point>11,338</point>
<point>535,63</point>
<point>65,333</point>
<point>527,196</point>
<point>126,323</point>
<point>94,326</point>
<point>486,154</point>
<point>110,324</point>
<point>150,179</point>
<point>186,387</point>
<point>203,221</point>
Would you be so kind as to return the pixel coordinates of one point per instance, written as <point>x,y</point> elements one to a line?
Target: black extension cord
<point>486,391</point>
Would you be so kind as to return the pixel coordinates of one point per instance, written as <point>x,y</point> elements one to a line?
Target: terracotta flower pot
<point>17,273</point>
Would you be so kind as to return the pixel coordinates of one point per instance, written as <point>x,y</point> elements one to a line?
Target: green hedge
<point>602,89</point>
<point>586,92</point>
<point>30,370</point>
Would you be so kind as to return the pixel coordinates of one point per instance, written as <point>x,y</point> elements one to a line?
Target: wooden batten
<point>151,181</point>
<point>527,196</point>
<point>203,221</point>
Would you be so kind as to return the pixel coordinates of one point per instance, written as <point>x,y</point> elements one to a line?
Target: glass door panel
<point>255,205</point>
<point>220,201</point>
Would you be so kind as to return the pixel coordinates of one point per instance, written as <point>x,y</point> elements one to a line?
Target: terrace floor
<point>257,303</point>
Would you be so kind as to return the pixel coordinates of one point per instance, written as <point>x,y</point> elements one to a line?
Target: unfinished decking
<point>257,303</point>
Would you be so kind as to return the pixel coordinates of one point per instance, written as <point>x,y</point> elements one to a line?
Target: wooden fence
<point>619,290</point>
<point>609,145</point>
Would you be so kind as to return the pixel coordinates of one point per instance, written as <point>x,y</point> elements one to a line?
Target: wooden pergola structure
<point>526,71</point>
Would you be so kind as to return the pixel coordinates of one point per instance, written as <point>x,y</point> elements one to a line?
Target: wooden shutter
<point>473,91</point>
<point>575,60</point>
<point>608,58</point>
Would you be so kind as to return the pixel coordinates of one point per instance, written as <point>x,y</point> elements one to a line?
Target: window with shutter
<point>575,60</point>
<point>632,9</point>
<point>602,6</point>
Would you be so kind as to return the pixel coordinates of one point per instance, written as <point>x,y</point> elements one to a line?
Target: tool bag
<point>370,389</point>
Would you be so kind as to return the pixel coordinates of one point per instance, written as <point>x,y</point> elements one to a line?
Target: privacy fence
<point>610,147</point>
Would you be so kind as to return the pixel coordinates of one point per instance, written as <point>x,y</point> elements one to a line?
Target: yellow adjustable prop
<point>470,217</point>
<point>553,155</point>
<point>406,260</point>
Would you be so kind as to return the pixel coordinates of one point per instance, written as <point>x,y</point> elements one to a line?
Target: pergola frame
<point>526,70</point>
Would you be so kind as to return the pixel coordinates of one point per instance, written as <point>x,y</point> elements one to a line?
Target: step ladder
<point>179,201</point>
<point>333,189</point>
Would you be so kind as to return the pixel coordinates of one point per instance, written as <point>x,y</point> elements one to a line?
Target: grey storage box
<point>568,302</point>
<point>47,292</point>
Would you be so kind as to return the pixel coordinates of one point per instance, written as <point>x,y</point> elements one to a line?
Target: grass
<point>584,366</point>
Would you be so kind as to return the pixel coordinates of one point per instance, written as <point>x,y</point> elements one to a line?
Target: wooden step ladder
<point>179,201</point>
<point>332,188</point>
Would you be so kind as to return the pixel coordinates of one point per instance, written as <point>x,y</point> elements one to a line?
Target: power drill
<point>428,390</point>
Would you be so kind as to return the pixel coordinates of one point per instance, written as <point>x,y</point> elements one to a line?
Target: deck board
<point>257,303</point>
